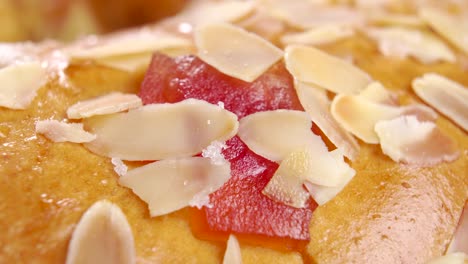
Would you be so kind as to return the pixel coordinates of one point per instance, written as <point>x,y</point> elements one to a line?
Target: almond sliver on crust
<point>63,132</point>
<point>234,51</point>
<point>310,65</point>
<point>233,252</point>
<point>359,115</point>
<point>405,139</point>
<point>191,178</point>
<point>445,95</point>
<point>159,131</point>
<point>318,36</point>
<point>20,83</point>
<point>106,104</point>
<point>316,104</point>
<point>275,134</point>
<point>103,235</point>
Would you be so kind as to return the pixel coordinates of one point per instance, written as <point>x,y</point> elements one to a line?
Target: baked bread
<point>406,150</point>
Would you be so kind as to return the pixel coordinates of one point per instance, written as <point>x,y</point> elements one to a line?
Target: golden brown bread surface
<point>389,213</point>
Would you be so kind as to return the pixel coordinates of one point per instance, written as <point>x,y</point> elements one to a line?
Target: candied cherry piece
<point>239,206</point>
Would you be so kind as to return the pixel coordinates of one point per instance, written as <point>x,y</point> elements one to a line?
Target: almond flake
<point>403,42</point>
<point>405,139</point>
<point>233,252</point>
<point>310,65</point>
<point>317,166</point>
<point>20,83</point>
<point>63,132</point>
<point>206,12</point>
<point>127,43</point>
<point>316,104</point>
<point>445,95</point>
<point>376,92</point>
<point>307,14</point>
<point>159,131</point>
<point>319,35</point>
<point>323,194</point>
<point>451,27</point>
<point>392,19</point>
<point>275,134</point>
<point>106,104</point>
<point>237,53</point>
<point>460,239</point>
<point>103,235</point>
<point>171,184</point>
<point>453,258</point>
<point>358,115</point>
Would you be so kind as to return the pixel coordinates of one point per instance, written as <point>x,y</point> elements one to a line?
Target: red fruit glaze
<point>239,206</point>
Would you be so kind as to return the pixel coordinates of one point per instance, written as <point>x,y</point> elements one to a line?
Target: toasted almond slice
<point>393,19</point>
<point>171,184</point>
<point>307,14</point>
<point>376,92</point>
<point>129,42</point>
<point>316,166</point>
<point>63,132</point>
<point>159,131</point>
<point>445,95</point>
<point>206,12</point>
<point>460,239</point>
<point>20,83</point>
<point>323,194</point>
<point>316,104</point>
<point>275,134</point>
<point>405,139</point>
<point>233,253</point>
<point>237,53</point>
<point>403,42</point>
<point>106,104</point>
<point>103,235</point>
<point>319,35</point>
<point>359,115</point>
<point>451,27</point>
<point>453,258</point>
<point>310,65</point>
<point>126,62</point>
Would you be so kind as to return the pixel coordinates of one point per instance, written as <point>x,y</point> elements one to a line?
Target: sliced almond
<point>159,131</point>
<point>237,53</point>
<point>106,104</point>
<point>405,139</point>
<point>394,19</point>
<point>376,92</point>
<point>451,27</point>
<point>317,105</point>
<point>316,166</point>
<point>358,115</point>
<point>103,235</point>
<point>20,83</point>
<point>233,253</point>
<point>445,95</point>
<point>310,65</point>
<point>206,12</point>
<point>323,194</point>
<point>63,132</point>
<point>127,62</point>
<point>460,239</point>
<point>169,185</point>
<point>319,35</point>
<point>307,14</point>
<point>126,43</point>
<point>452,258</point>
<point>275,134</point>
<point>403,42</point>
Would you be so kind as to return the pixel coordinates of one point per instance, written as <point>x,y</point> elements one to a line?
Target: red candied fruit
<point>239,206</point>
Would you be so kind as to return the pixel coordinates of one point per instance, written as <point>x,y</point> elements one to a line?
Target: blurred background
<point>34,20</point>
